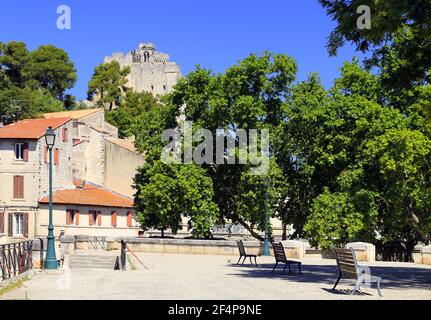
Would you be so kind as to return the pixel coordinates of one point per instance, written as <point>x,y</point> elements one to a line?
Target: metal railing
<point>15,259</point>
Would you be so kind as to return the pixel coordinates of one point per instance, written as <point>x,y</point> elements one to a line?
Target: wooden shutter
<point>56,156</point>
<point>77,217</point>
<point>1,222</point>
<point>99,218</point>
<point>90,218</point>
<point>25,224</point>
<point>18,187</point>
<point>114,218</point>
<point>129,219</point>
<point>25,151</point>
<point>10,224</point>
<point>68,217</point>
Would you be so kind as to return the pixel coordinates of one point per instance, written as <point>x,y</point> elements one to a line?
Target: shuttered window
<point>1,222</point>
<point>92,216</point>
<point>64,135</point>
<point>114,218</point>
<point>18,187</point>
<point>25,224</point>
<point>25,151</point>
<point>129,219</point>
<point>77,217</point>
<point>99,218</point>
<point>56,156</point>
<point>10,224</point>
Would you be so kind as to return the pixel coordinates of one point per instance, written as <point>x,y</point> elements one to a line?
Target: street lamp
<point>266,241</point>
<point>50,260</point>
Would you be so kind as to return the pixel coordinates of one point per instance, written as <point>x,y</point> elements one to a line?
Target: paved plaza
<point>176,276</point>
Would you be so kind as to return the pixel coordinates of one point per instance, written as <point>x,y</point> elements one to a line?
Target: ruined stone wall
<point>150,70</point>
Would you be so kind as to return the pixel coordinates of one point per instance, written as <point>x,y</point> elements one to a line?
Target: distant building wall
<point>84,227</point>
<point>95,158</point>
<point>120,168</point>
<point>150,70</point>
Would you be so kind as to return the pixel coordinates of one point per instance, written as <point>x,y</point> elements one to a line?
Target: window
<point>19,222</point>
<point>114,218</point>
<point>129,219</point>
<point>64,135</point>
<point>1,222</point>
<point>56,157</point>
<point>21,151</point>
<point>72,217</point>
<point>99,218</point>
<point>18,187</point>
<point>92,216</point>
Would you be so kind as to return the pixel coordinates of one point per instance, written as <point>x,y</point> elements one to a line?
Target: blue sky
<point>214,34</point>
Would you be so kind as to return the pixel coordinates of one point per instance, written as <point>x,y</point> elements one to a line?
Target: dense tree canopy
<point>108,84</point>
<point>33,82</point>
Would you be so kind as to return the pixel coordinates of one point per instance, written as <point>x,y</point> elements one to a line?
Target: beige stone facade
<point>85,154</point>
<point>150,70</point>
<point>83,227</point>
<point>34,171</point>
<point>99,156</point>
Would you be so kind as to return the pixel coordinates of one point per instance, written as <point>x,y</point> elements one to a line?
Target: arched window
<point>146,56</point>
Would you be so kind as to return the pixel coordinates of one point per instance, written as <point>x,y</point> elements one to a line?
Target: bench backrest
<point>279,253</point>
<point>240,247</point>
<point>346,262</point>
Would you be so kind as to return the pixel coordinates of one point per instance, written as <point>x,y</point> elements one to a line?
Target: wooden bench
<point>280,257</point>
<point>243,254</point>
<point>348,268</point>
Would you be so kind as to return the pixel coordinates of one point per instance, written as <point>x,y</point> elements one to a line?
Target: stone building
<point>86,152</point>
<point>99,156</point>
<point>150,70</point>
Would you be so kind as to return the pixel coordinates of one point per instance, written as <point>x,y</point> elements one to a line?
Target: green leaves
<point>108,84</point>
<point>337,218</point>
<point>51,67</point>
<point>167,193</point>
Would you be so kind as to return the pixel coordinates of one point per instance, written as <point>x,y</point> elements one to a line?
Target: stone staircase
<point>92,261</point>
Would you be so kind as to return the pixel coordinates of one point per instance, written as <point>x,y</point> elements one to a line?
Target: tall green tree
<point>13,58</point>
<point>249,95</point>
<point>108,83</point>
<point>51,68</point>
<point>166,193</point>
<point>132,106</point>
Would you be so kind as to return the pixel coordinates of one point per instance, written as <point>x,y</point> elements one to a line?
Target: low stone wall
<point>426,255</point>
<point>363,251</point>
<point>294,249</point>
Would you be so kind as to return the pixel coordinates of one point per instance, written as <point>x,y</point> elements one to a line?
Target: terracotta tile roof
<point>30,128</point>
<point>74,114</point>
<point>87,194</point>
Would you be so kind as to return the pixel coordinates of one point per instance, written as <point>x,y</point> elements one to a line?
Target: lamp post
<point>50,260</point>
<point>266,241</point>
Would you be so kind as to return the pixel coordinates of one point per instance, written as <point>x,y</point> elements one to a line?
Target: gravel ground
<point>176,276</point>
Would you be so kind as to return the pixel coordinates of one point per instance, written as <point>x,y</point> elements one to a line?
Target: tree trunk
<point>163,233</point>
<point>284,235</point>
<point>249,229</point>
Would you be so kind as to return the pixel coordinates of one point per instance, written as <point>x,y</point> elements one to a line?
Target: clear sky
<point>214,34</point>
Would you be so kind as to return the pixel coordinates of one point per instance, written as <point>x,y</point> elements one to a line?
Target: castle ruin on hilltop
<point>150,70</point>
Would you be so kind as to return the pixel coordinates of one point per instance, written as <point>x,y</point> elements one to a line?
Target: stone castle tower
<point>150,70</point>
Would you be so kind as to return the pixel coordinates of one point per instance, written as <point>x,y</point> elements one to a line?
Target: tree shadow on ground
<point>393,277</point>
